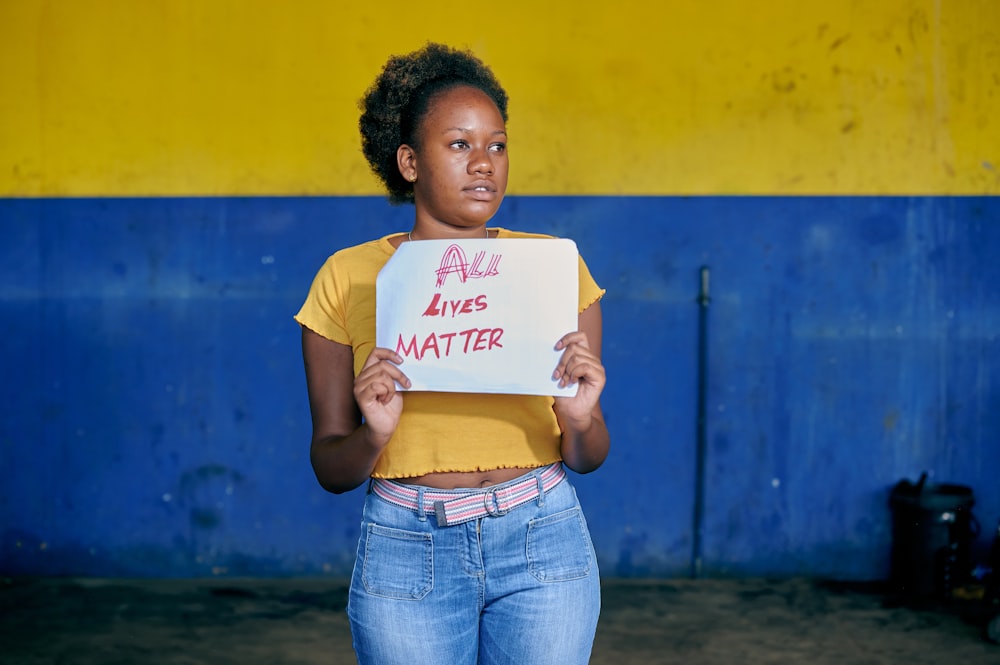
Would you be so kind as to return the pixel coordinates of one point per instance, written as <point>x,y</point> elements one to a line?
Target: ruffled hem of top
<point>594,299</point>
<point>527,469</point>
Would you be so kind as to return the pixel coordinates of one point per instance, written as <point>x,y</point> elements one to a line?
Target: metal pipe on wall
<point>699,477</point>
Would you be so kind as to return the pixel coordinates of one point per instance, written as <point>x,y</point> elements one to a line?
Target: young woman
<point>473,548</point>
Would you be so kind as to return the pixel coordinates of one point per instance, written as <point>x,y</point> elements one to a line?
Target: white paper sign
<point>479,315</point>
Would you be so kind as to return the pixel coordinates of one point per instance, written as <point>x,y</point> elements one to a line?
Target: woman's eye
<point>498,147</point>
<point>459,144</point>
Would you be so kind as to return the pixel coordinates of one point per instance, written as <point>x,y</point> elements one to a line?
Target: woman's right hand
<point>375,392</point>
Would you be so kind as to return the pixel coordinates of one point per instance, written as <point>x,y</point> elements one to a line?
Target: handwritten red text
<point>453,308</point>
<point>442,345</point>
<point>454,262</point>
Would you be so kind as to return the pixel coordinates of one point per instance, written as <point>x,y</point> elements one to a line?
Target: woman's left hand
<point>578,364</point>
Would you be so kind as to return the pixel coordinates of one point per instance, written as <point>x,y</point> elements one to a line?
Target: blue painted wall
<point>154,418</point>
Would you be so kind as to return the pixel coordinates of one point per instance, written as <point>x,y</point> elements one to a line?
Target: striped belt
<point>452,507</point>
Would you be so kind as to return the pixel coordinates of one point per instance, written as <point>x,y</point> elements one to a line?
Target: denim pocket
<point>559,547</point>
<point>398,564</point>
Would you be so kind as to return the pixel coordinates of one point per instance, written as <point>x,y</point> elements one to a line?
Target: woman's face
<point>460,163</point>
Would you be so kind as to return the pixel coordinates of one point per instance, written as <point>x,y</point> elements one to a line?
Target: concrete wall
<point>173,173</point>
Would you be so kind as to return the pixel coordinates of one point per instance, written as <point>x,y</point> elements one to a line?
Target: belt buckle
<point>492,504</point>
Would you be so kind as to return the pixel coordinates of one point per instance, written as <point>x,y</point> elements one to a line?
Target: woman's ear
<point>406,159</point>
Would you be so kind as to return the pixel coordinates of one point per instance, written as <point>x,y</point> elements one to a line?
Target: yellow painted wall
<point>228,97</point>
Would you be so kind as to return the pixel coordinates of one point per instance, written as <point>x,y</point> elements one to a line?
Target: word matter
<point>440,344</point>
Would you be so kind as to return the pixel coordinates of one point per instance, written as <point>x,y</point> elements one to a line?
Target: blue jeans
<point>517,589</point>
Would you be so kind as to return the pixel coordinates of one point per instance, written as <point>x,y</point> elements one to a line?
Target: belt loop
<point>371,483</point>
<point>541,488</point>
<point>421,514</point>
<point>440,514</point>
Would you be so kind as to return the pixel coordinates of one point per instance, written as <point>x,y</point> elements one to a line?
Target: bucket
<point>932,534</point>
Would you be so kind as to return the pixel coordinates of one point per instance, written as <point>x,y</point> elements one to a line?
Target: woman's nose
<point>480,162</point>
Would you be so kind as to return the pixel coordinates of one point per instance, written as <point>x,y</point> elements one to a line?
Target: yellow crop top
<point>437,432</point>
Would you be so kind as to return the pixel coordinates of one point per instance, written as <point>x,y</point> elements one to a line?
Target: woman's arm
<point>352,419</point>
<point>585,438</point>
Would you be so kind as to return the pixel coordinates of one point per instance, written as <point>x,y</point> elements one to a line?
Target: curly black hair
<point>395,103</point>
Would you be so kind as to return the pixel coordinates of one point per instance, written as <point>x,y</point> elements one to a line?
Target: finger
<point>379,354</point>
<point>576,337</point>
<point>384,361</point>
<point>582,368</point>
<point>386,369</point>
<point>381,375</point>
<point>574,355</point>
<point>374,388</point>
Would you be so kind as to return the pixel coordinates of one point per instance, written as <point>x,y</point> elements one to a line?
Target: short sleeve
<point>324,309</point>
<point>590,292</point>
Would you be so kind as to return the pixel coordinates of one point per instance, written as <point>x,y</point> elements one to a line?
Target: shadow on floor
<point>87,621</point>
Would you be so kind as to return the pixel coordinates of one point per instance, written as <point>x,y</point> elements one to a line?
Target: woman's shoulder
<point>377,249</point>
<point>357,262</point>
<point>509,233</point>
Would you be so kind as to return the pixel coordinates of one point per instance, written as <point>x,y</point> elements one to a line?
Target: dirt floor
<point>302,621</point>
